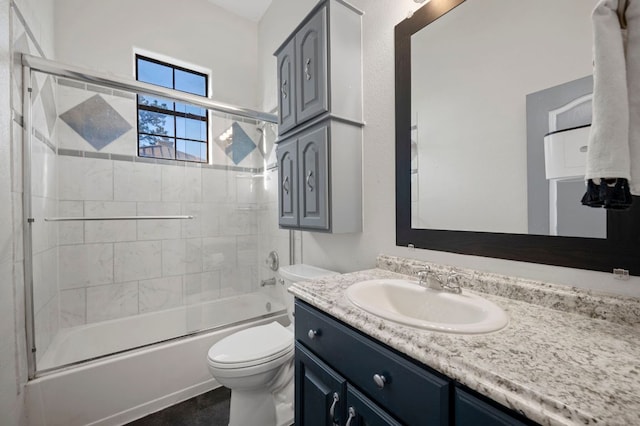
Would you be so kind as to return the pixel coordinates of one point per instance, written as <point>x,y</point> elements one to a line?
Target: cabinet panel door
<point>313,179</point>
<point>311,68</point>
<point>363,412</point>
<point>286,84</point>
<point>472,411</point>
<point>320,392</point>
<point>287,154</point>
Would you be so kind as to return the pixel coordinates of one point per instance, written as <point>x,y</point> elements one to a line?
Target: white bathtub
<point>120,388</point>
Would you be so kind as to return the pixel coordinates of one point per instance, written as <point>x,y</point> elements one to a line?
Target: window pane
<point>191,129</point>
<point>156,147</point>
<point>192,151</point>
<point>153,73</point>
<point>191,83</point>
<point>190,109</point>
<point>155,102</point>
<point>155,123</point>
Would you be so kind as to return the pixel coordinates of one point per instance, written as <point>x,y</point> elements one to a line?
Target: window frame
<point>173,113</point>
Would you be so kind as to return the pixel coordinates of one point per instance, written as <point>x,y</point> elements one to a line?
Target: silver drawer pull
<point>332,410</point>
<point>352,415</point>
<point>307,73</point>
<point>380,380</point>
<point>285,185</point>
<point>312,334</point>
<point>283,90</point>
<point>309,176</point>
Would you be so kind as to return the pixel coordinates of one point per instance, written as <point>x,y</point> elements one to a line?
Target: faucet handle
<point>453,281</point>
<point>423,274</point>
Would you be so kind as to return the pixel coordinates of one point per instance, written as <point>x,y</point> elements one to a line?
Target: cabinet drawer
<point>409,393</point>
<point>472,411</point>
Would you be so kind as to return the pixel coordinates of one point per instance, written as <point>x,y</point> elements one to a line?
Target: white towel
<point>633,83</point>
<point>609,150</point>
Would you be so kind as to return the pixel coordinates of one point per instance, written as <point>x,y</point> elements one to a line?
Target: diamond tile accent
<point>96,121</point>
<point>240,145</point>
<point>49,104</point>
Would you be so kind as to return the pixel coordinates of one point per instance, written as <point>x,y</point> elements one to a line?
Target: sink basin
<point>408,303</point>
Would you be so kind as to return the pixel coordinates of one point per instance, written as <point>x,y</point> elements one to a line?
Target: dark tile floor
<point>208,409</point>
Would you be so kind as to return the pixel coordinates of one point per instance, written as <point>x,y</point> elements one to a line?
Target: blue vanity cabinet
<point>405,392</point>
<point>320,391</point>
<point>382,386</point>
<point>472,411</point>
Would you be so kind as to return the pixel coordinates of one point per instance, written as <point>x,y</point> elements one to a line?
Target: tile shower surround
<point>114,269</point>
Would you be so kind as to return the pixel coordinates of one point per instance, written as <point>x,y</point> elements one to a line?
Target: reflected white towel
<point>609,150</point>
<point>633,83</point>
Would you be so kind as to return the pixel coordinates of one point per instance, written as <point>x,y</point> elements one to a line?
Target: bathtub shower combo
<point>136,265</point>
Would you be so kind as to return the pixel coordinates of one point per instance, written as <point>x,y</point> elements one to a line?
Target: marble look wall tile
<point>247,250</point>
<point>218,253</point>
<point>44,179</point>
<point>218,186</point>
<point>210,220</point>
<point>16,157</point>
<point>46,326</point>
<point>161,293</point>
<point>70,232</point>
<point>238,221</point>
<point>137,261</point>
<point>85,265</point>
<point>182,256</point>
<point>239,280</point>
<point>246,188</point>
<point>45,273</point>
<point>158,229</point>
<point>136,181</point>
<point>85,179</point>
<point>6,230</point>
<point>73,307</point>
<point>201,287</point>
<point>106,231</point>
<point>173,183</point>
<point>112,301</point>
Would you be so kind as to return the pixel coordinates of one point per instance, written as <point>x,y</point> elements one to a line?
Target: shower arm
<point>127,84</point>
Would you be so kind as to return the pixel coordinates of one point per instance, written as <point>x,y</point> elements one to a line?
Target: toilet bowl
<point>257,363</point>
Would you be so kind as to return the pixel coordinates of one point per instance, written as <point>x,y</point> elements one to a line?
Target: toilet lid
<point>252,346</point>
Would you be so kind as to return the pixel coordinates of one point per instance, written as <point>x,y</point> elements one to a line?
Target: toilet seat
<point>251,347</point>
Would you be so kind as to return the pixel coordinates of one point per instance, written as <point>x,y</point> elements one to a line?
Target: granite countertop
<point>567,357</point>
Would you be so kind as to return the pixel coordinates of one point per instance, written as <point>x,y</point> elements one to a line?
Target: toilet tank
<point>290,274</point>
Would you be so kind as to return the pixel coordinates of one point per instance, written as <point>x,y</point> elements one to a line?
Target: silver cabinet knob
<point>312,334</point>
<point>380,380</point>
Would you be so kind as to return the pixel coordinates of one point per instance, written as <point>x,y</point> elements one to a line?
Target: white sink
<point>408,303</point>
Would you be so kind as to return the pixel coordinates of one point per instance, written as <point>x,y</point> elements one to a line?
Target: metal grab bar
<point>79,219</point>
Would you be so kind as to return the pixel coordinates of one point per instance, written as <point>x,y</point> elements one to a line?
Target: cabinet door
<point>287,154</point>
<point>313,179</point>
<point>286,84</point>
<point>311,67</point>
<point>363,412</point>
<point>472,411</point>
<point>320,392</point>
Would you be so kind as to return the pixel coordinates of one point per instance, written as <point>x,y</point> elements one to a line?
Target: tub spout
<point>270,281</point>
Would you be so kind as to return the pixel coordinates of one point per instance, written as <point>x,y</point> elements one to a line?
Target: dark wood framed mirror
<point>620,248</point>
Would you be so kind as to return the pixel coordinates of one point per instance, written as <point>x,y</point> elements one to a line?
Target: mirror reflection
<point>490,80</point>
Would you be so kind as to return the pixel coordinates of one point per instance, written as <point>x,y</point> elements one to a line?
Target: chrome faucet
<point>270,281</point>
<point>449,283</point>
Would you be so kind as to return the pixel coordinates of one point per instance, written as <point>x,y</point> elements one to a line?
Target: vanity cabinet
<point>346,378</point>
<point>320,179</point>
<point>319,67</point>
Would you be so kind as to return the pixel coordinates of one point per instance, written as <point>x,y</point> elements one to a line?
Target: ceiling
<point>250,9</point>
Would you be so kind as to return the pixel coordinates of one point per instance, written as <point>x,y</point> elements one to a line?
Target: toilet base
<point>261,408</point>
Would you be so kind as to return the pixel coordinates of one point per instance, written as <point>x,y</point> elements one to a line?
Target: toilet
<point>257,363</point>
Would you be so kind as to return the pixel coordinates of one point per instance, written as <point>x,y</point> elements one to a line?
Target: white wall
<point>358,251</point>
<point>37,15</point>
<point>102,34</point>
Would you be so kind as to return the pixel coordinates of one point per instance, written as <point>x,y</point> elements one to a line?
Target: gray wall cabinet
<point>320,67</point>
<point>320,178</point>
<point>320,121</point>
